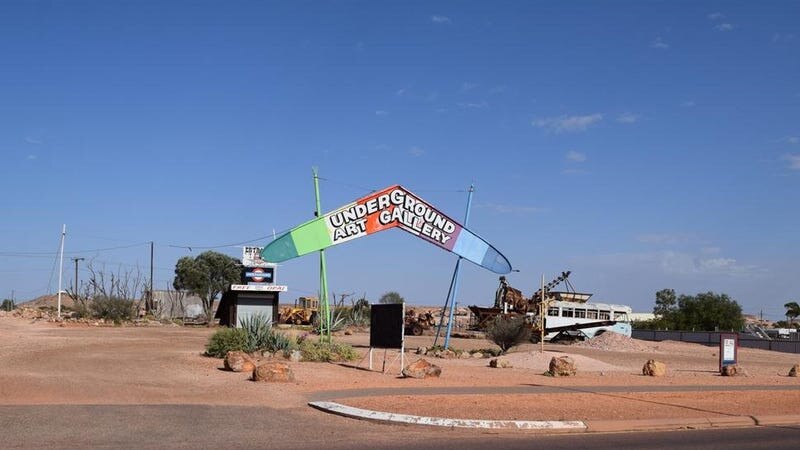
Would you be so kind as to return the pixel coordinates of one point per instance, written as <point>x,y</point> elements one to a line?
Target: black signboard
<point>386,326</point>
<point>258,275</point>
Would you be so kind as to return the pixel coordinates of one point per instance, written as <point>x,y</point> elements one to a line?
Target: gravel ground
<point>44,363</point>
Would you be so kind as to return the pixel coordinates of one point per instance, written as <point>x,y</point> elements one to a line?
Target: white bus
<point>563,313</point>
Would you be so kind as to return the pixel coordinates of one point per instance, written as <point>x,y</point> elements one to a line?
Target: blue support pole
<point>455,276</point>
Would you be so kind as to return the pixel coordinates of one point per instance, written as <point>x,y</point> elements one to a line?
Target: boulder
<point>273,371</point>
<point>295,356</point>
<point>422,351</point>
<point>563,366</point>
<point>237,361</point>
<point>653,368</point>
<point>731,370</point>
<point>498,363</point>
<point>793,371</point>
<point>477,355</point>
<point>422,369</point>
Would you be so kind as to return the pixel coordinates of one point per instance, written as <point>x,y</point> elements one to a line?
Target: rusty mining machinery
<point>510,301</point>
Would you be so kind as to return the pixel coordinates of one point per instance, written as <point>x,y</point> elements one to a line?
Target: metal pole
<point>75,260</point>
<point>446,304</point>
<point>150,291</point>
<point>325,311</point>
<point>543,308</point>
<point>455,275</point>
<point>61,266</point>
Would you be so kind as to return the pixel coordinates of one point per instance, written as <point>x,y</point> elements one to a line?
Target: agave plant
<point>259,332</point>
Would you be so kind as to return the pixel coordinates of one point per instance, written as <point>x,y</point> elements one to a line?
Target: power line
<point>47,254</point>
<point>235,244</point>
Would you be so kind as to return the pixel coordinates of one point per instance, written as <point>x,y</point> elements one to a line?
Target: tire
<point>416,330</point>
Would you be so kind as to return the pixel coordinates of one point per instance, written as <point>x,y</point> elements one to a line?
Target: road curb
<point>386,417</point>
<point>606,426</point>
<point>592,426</point>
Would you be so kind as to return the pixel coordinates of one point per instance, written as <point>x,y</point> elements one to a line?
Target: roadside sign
<point>728,349</point>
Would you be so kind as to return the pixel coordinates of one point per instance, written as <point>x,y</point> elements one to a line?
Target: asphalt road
<point>233,427</point>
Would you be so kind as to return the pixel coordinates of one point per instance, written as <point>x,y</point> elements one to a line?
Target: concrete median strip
<point>379,416</point>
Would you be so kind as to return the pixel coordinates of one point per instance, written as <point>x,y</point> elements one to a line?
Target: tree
<point>792,311</point>
<point>702,312</point>
<point>391,297</point>
<point>666,303</point>
<point>7,305</point>
<point>207,276</point>
<point>709,312</point>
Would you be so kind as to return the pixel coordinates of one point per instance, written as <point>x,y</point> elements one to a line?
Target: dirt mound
<point>540,362</point>
<point>616,342</point>
<point>49,301</point>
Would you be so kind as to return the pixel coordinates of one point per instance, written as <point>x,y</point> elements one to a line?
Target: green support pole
<point>324,306</point>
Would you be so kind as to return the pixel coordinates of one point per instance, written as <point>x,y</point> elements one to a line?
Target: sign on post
<point>728,349</point>
<point>387,330</point>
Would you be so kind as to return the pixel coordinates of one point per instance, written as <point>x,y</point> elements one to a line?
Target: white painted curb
<point>365,414</point>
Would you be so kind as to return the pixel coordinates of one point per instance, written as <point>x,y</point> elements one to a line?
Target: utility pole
<point>75,260</point>
<point>149,305</point>
<point>61,266</point>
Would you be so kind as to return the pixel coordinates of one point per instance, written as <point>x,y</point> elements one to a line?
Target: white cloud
<point>688,104</point>
<point>32,157</point>
<point>659,44</point>
<point>574,156</point>
<point>628,117</point>
<point>510,209</point>
<point>793,160</point>
<point>568,124</point>
<point>724,27</point>
<point>33,141</point>
<point>792,140</point>
<point>473,105</point>
<point>782,37</point>
<point>664,238</point>
<point>673,263</point>
<point>400,92</point>
<point>440,19</point>
<point>498,89</point>
<point>381,112</point>
<point>710,250</point>
<point>416,151</point>
<point>467,86</point>
<point>716,16</point>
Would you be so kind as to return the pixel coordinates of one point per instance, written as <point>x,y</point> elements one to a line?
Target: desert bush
<point>280,342</point>
<point>111,308</point>
<point>327,351</point>
<point>508,331</point>
<point>226,340</point>
<point>258,330</point>
<point>8,305</point>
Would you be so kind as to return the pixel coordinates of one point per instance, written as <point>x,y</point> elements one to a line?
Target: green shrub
<point>258,330</point>
<point>8,305</point>
<point>279,342</point>
<point>226,340</point>
<point>508,331</point>
<point>111,308</point>
<point>327,351</point>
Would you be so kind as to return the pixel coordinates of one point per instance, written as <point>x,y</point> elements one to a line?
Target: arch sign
<point>393,207</point>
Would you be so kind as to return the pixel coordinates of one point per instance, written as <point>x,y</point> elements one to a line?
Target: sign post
<point>728,349</point>
<point>387,331</point>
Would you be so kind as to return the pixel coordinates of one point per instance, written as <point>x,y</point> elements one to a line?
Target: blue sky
<point>642,145</point>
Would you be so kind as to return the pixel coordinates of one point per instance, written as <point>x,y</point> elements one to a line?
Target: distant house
<point>176,304</point>
<point>641,317</point>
